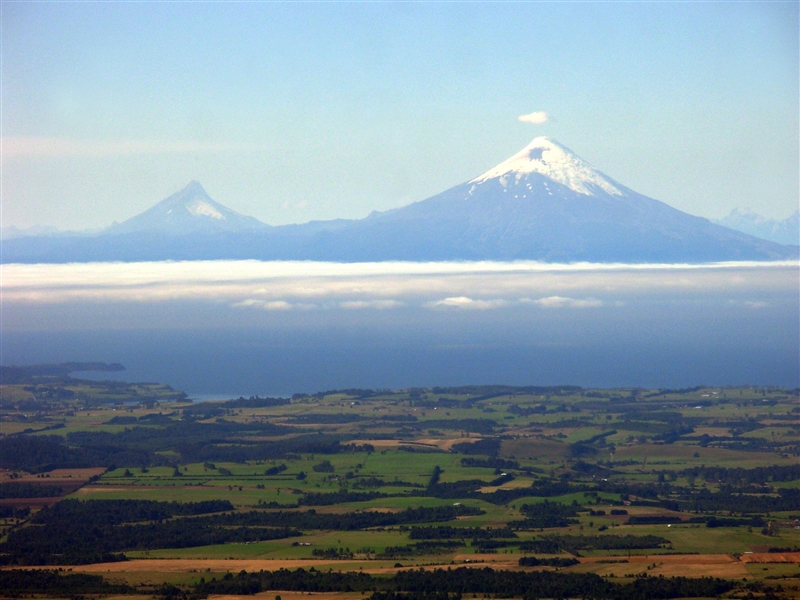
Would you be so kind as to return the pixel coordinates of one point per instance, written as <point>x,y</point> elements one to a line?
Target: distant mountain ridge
<point>782,231</point>
<point>543,203</point>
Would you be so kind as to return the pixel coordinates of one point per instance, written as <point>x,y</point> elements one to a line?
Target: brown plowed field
<point>687,565</point>
<point>771,557</point>
<point>294,596</point>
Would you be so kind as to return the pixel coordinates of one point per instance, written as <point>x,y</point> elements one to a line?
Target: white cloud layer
<point>281,286</point>
<point>562,302</point>
<point>379,304</point>
<point>263,304</point>
<point>469,303</point>
<point>537,118</point>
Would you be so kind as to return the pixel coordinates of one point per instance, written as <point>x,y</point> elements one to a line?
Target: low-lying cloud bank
<point>281,286</point>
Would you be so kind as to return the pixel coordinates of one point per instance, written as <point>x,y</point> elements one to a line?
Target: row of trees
<point>442,583</point>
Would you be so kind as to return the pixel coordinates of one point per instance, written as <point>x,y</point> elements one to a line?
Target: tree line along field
<point>558,491</point>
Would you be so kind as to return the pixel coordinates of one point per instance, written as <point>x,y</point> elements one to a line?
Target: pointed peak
<point>194,187</point>
<point>190,210</point>
<point>542,142</point>
<point>549,158</point>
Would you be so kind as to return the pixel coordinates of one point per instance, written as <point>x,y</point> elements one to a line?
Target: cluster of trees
<point>75,532</point>
<point>574,543</point>
<point>256,402</point>
<point>444,532</point>
<point>16,583</point>
<point>526,411</point>
<point>373,482</point>
<point>422,548</point>
<point>332,553</point>
<point>488,446</point>
<point>546,514</point>
<point>115,512</point>
<point>732,501</point>
<point>739,476</point>
<point>24,489</point>
<point>243,451</point>
<point>451,583</point>
<point>553,544</point>
<point>275,470</point>
<point>558,561</point>
<point>37,454</point>
<point>714,521</point>
<point>418,595</point>
<point>466,488</point>
<point>140,445</point>
<point>149,419</point>
<point>9,512</point>
<point>331,498</point>
<point>652,520</point>
<point>207,410</point>
<point>489,463</point>
<point>341,521</point>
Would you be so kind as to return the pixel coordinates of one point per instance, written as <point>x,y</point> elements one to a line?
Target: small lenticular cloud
<point>469,303</point>
<point>537,118</point>
<point>263,304</point>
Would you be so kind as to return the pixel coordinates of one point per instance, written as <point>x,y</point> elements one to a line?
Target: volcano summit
<point>544,203</point>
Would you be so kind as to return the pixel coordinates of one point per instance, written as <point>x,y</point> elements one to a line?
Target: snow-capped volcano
<point>190,210</point>
<point>544,203</point>
<point>553,161</point>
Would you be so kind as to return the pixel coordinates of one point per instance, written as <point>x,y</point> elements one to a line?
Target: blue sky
<point>298,111</point>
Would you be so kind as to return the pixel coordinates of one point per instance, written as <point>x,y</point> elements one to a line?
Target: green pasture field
<point>653,439</point>
<point>17,427</point>
<point>357,541</point>
<point>764,570</point>
<point>682,456</point>
<point>785,431</point>
<point>181,493</point>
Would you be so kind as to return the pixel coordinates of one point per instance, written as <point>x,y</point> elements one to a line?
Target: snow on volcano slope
<point>188,211</point>
<point>554,161</point>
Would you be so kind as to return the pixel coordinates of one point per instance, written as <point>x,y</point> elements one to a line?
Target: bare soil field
<point>671,565</point>
<point>55,477</point>
<point>294,596</point>
<point>67,479</point>
<point>186,565</point>
<point>687,565</point>
<point>442,444</point>
<point>771,557</point>
<point>32,503</point>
